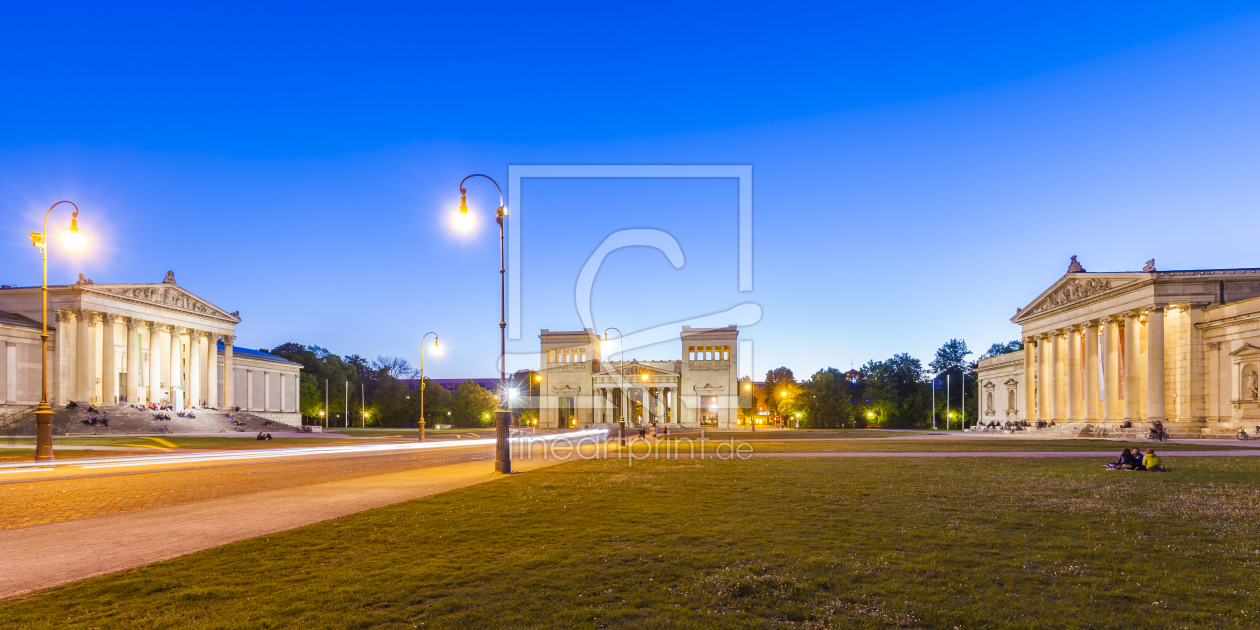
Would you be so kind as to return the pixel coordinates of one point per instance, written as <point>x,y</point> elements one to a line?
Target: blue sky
<point>919,170</point>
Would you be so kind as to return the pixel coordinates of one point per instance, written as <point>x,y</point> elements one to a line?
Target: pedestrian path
<point>42,556</point>
<point>1020,454</point>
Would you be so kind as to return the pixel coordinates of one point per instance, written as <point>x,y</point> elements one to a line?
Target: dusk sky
<point>919,171</point>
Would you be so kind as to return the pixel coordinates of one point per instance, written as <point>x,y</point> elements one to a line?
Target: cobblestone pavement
<point>30,502</point>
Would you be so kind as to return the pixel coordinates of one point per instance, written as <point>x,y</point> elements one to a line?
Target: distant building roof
<point>257,354</point>
<point>14,319</point>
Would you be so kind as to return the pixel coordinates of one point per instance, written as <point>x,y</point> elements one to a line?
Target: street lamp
<point>73,240</point>
<point>503,416</point>
<point>435,344</point>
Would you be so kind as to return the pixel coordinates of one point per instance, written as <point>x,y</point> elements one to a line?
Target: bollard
<point>622,431</point>
<point>422,430</point>
<point>502,454</point>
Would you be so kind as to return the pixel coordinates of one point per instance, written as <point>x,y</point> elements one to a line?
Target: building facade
<point>1179,347</point>
<point>578,388</point>
<point>142,343</point>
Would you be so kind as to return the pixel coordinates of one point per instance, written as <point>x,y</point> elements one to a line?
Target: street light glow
<point>72,238</point>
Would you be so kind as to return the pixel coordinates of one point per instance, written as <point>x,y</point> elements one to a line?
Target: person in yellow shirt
<point>1151,461</point>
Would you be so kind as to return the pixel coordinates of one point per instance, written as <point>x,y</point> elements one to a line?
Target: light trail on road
<point>275,453</point>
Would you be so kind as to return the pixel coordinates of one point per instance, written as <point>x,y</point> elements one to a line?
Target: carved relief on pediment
<point>709,365</point>
<point>567,368</point>
<point>1075,289</point>
<point>166,296</point>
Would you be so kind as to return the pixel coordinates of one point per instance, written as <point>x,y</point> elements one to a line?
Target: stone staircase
<point>123,420</point>
<point>1112,430</point>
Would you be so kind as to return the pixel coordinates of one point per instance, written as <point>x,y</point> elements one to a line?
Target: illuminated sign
<point>763,413</point>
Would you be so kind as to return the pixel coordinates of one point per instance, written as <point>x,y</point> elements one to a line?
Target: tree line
<point>376,392</point>
<point>894,393</point>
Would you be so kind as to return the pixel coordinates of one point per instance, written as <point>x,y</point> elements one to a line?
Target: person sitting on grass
<point>1152,461</point>
<point>1137,460</point>
<point>260,436</point>
<point>1126,459</point>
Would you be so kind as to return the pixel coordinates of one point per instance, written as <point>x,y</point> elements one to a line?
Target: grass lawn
<point>921,446</point>
<point>808,543</point>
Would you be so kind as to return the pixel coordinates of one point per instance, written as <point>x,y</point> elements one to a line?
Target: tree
<point>471,406</point>
<point>780,385</point>
<point>394,367</point>
<point>893,391</point>
<point>999,349</point>
<point>951,361</point>
<point>825,401</point>
<point>952,358</point>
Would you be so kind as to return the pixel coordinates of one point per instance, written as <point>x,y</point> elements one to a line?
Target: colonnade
<point>1065,367</point>
<point>663,405</point>
<point>80,352</point>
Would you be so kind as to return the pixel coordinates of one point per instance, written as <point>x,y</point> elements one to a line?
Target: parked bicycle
<point>1157,435</point>
<point>1243,435</point>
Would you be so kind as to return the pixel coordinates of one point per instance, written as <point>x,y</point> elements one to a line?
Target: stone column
<point>155,363</point>
<point>1155,365</point>
<point>81,353</point>
<point>212,370</point>
<point>64,383</point>
<point>676,402</point>
<point>1074,398</point>
<point>193,385</point>
<point>1060,371</point>
<point>1132,380</point>
<point>1030,380</point>
<point>249,394</point>
<point>1111,371</point>
<point>177,363</point>
<point>1043,377</point>
<point>133,359</point>
<point>1054,401</point>
<point>109,361</point>
<point>229,382</point>
<point>266,406</point>
<point>1196,372</point>
<point>94,357</point>
<point>1091,372</point>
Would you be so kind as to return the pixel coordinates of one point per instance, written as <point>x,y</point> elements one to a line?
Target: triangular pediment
<point>1070,289</point>
<point>1245,349</point>
<point>165,295</point>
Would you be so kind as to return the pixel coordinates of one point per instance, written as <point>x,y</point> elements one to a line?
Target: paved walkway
<point>42,556</point>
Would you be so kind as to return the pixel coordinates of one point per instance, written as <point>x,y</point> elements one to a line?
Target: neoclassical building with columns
<point>1180,347</point>
<point>143,343</point>
<point>578,388</point>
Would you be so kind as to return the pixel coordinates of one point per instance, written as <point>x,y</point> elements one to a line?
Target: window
<point>583,355</point>
<point>551,356</point>
<point>726,353</point>
<point>691,353</point>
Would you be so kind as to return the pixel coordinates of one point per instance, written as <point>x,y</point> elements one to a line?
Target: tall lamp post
<point>503,415</point>
<point>435,344</point>
<point>43,413</point>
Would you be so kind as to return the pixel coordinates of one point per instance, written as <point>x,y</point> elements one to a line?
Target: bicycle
<point>1242,434</point>
<point>1157,435</point>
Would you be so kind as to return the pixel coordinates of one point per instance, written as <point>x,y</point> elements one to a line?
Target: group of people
<point>263,436</point>
<point>161,416</point>
<point>1016,425</point>
<point>187,413</point>
<point>93,421</point>
<point>1133,459</point>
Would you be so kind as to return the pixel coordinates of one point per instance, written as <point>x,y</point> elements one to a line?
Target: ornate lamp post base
<point>502,454</point>
<point>43,433</point>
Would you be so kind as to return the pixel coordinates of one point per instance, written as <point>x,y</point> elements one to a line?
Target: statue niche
<point>1010,400</point>
<point>988,404</point>
<point>1251,383</point>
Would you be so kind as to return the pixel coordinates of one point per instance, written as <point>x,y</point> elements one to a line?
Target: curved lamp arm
<point>463,194</point>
